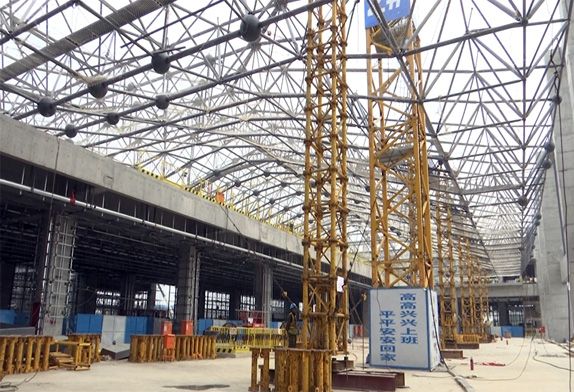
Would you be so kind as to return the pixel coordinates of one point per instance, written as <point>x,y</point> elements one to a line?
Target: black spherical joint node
<point>160,62</point>
<point>250,30</point>
<point>70,131</point>
<point>112,118</point>
<point>98,89</point>
<point>162,102</point>
<point>549,147</point>
<point>522,201</point>
<point>557,99</point>
<point>237,183</point>
<point>547,164</point>
<point>46,107</point>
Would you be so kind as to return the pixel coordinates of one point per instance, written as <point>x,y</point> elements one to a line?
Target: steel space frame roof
<point>235,121</point>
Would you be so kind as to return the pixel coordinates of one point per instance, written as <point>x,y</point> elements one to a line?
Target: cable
<point>521,372</point>
<point>551,364</point>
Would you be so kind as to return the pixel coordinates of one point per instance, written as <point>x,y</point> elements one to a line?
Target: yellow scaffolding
<point>401,243</point>
<point>446,281</point>
<point>325,311</point>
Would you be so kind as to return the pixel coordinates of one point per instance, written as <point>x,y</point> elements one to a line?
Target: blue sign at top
<point>392,9</point>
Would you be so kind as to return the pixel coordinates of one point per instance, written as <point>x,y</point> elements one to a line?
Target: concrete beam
<point>25,143</point>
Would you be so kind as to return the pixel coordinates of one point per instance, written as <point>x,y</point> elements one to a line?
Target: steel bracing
<point>325,311</point>
<point>401,243</point>
<point>228,115</point>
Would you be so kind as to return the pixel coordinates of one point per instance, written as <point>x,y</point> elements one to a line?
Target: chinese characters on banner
<point>403,332</point>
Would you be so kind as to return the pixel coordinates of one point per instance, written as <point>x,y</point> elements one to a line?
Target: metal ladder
<point>58,274</point>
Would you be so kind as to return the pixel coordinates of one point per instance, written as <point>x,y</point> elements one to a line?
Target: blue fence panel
<point>7,316</point>
<point>517,331</point>
<point>135,326</point>
<point>87,323</point>
<point>22,319</point>
<point>203,324</point>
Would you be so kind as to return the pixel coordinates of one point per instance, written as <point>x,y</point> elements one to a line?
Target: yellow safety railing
<point>467,338</point>
<point>243,339</point>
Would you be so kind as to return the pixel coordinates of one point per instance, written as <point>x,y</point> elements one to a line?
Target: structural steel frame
<point>237,109</point>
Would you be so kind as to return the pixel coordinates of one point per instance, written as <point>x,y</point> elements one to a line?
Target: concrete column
<point>264,291</point>
<point>187,296</point>
<point>550,252</point>
<point>54,288</point>
<point>201,303</point>
<point>234,304</point>
<point>151,293</point>
<point>6,284</point>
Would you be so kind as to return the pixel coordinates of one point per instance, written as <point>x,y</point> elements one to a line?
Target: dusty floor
<point>528,367</point>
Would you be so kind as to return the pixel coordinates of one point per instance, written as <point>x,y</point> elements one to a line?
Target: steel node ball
<point>98,90</point>
<point>160,63</point>
<point>112,118</point>
<point>70,131</point>
<point>46,107</point>
<point>547,164</point>
<point>549,147</point>
<point>162,102</point>
<point>522,201</point>
<point>250,30</point>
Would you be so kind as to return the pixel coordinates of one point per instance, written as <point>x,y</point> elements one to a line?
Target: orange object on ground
<point>168,341</point>
<point>166,328</point>
<point>186,327</point>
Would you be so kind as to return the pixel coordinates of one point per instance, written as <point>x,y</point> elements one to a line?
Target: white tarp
<point>404,328</point>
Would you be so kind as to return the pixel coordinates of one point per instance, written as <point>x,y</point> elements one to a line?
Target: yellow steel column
<point>443,295</point>
<point>471,289</point>
<point>464,295</point>
<point>401,240</point>
<point>325,312</point>
<point>450,330</point>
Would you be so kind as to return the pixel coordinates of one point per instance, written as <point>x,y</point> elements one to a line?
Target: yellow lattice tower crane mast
<point>325,311</point>
<point>401,242</point>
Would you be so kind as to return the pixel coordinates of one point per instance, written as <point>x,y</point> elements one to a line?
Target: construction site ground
<point>510,365</point>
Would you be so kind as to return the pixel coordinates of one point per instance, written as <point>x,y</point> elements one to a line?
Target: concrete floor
<point>522,372</point>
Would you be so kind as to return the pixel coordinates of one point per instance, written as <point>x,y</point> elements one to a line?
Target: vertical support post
<point>6,283</point>
<point>471,290</point>
<point>186,299</point>
<point>450,302</point>
<point>443,296</point>
<point>57,271</point>
<point>264,291</point>
<point>401,238</point>
<point>151,297</point>
<point>127,293</point>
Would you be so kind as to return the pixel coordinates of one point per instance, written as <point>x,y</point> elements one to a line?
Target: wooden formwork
<point>24,354</point>
<point>150,348</point>
<point>95,342</point>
